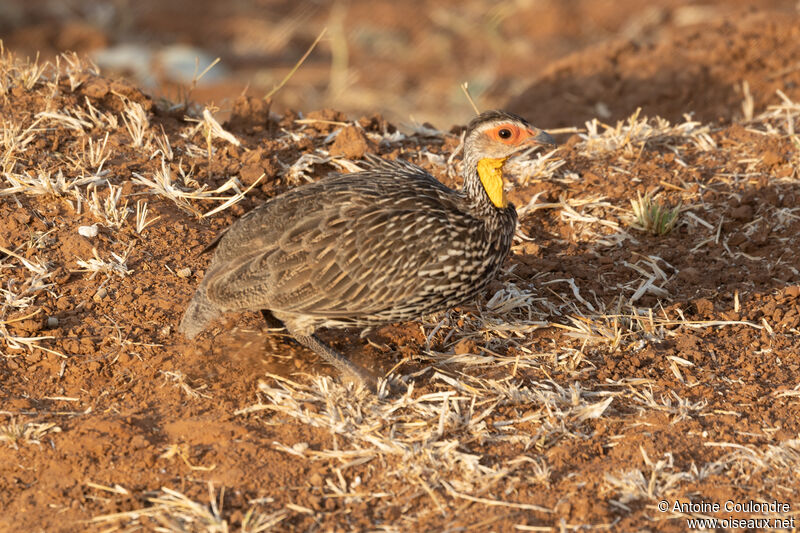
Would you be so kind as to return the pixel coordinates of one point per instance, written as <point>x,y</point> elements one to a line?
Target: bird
<point>386,244</point>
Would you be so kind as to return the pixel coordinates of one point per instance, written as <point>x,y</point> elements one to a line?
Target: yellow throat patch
<point>491,173</point>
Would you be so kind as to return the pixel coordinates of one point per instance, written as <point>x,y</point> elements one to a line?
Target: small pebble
<point>100,294</point>
<point>184,272</point>
<point>52,322</point>
<point>88,231</point>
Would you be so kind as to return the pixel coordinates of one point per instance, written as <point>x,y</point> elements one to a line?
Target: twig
<point>296,66</point>
<point>465,88</point>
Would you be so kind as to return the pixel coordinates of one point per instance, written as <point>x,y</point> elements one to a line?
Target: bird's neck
<point>483,181</point>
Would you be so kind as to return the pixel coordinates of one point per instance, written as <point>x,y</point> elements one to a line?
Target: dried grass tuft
<point>651,216</point>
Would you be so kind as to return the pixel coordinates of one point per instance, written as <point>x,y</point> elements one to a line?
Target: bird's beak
<point>540,137</point>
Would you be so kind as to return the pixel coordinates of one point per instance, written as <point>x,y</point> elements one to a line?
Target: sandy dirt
<point>608,368</point>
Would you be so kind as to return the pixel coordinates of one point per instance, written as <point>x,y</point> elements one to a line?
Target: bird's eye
<point>505,133</point>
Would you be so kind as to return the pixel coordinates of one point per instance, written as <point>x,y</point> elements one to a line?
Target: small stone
<point>60,276</point>
<point>52,322</point>
<point>96,88</point>
<point>249,174</point>
<point>350,143</point>
<point>23,218</point>
<point>466,346</point>
<point>793,291</point>
<point>88,231</point>
<point>184,272</point>
<point>770,159</point>
<point>530,248</point>
<point>315,502</point>
<point>704,306</point>
<point>100,294</point>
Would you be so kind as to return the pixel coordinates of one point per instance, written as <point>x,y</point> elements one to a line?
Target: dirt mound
<point>405,59</point>
<point>698,69</point>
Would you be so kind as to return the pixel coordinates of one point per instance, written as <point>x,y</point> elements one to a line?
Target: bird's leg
<point>342,363</point>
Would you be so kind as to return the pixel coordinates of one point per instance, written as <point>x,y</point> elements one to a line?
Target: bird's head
<point>497,134</point>
<point>491,138</point>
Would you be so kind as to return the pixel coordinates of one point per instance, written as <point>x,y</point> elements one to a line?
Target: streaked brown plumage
<point>384,245</point>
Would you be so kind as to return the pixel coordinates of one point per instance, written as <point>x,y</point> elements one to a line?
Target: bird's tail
<point>200,312</point>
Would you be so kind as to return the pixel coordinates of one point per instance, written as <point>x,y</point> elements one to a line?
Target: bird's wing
<point>376,245</point>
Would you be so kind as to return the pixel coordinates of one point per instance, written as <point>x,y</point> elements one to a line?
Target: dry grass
<point>650,216</point>
<point>16,433</point>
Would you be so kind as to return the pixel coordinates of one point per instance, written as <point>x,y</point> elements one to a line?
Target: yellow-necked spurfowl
<point>388,244</point>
